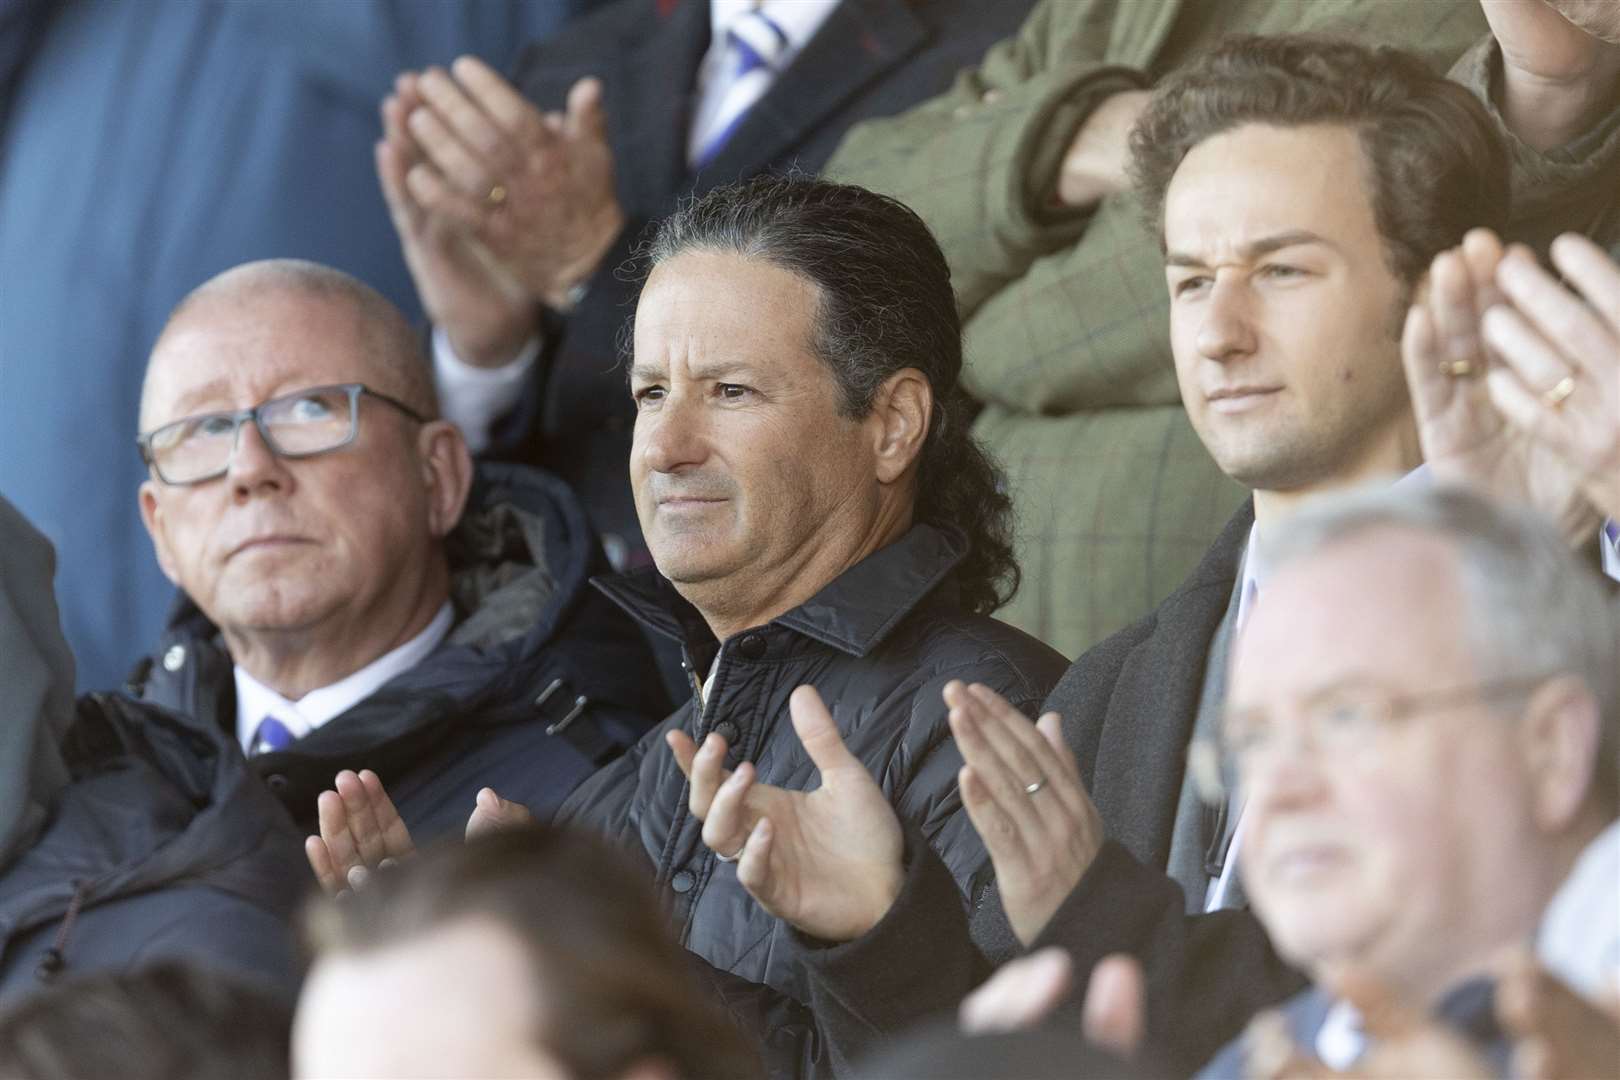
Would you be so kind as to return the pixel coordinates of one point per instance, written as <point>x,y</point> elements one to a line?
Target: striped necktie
<point>754,45</point>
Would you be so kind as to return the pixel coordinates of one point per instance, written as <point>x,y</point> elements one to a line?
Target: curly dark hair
<point>1435,163</point>
<point>884,304</point>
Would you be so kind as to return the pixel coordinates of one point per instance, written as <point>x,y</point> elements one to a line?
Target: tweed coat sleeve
<point>980,162</point>
<point>1575,187</point>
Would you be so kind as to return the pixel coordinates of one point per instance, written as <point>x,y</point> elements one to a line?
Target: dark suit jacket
<point>1128,706</point>
<point>870,58</point>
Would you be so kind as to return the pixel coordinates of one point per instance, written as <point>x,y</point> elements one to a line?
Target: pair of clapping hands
<point>1556,1033</point>
<point>1515,378</point>
<point>828,861</point>
<point>499,206</point>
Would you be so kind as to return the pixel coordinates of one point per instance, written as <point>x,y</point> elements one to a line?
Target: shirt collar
<point>853,613</point>
<point>255,701</point>
<point>799,19</point>
<point>1255,570</point>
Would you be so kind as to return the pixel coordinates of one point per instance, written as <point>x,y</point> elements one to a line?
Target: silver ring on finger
<point>734,857</point>
<point>1034,786</point>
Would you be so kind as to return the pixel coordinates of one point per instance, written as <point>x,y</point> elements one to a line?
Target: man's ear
<point>447,472</point>
<point>901,411</point>
<point>152,517</point>
<point>1561,731</point>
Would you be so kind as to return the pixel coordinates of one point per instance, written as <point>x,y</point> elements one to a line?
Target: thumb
<point>816,730</point>
<point>1114,1014</point>
<point>585,116</point>
<point>491,813</point>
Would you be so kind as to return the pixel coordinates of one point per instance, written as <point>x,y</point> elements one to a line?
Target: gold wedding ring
<point>1456,368</point>
<point>1560,392</point>
<point>496,196</point>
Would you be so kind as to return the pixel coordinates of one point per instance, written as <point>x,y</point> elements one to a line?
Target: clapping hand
<point>1473,350</point>
<point>361,832</point>
<point>829,860</point>
<point>535,189</point>
<point>1022,790</point>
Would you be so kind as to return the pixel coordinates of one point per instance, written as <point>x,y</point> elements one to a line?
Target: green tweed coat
<point>1066,315</point>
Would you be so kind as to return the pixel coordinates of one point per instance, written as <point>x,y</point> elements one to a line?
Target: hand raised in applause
<point>361,832</point>
<point>485,310</point>
<point>1024,992</point>
<point>534,189</point>
<point>1466,436</point>
<point>1558,382</point>
<point>827,861</point>
<point>1022,790</point>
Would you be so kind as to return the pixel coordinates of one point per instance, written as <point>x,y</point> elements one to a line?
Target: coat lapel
<point>657,72</point>
<point>860,41</point>
<point>1143,747</point>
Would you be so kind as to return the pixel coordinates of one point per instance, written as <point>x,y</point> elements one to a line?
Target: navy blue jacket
<point>162,846</point>
<point>477,711</point>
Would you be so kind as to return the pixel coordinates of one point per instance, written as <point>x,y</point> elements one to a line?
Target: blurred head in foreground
<point>166,1022</point>
<point>536,952</point>
<point>1423,723</point>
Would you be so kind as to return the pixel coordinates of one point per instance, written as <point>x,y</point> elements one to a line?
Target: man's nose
<point>254,466</point>
<point>672,436</point>
<point>1292,773</point>
<point>1227,331</point>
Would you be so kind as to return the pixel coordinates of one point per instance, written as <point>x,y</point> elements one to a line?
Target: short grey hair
<point>1534,608</point>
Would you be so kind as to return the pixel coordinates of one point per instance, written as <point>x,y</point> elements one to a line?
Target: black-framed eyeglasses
<point>1341,722</point>
<point>296,425</point>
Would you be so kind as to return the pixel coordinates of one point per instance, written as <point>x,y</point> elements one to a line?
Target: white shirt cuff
<point>1609,542</point>
<point>473,398</point>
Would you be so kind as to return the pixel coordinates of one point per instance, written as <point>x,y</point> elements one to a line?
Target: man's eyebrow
<point>183,405</point>
<point>1258,248</point>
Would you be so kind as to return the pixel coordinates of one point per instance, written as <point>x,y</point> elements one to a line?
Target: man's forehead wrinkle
<point>225,350</point>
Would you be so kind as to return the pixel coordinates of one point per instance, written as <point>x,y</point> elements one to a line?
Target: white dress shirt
<point>255,701</point>
<point>714,103</point>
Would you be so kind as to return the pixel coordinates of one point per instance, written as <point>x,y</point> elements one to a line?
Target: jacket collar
<point>1155,701</point>
<point>860,42</point>
<point>853,613</point>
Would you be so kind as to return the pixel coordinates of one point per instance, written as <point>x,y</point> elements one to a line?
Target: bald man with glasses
<point>356,595</point>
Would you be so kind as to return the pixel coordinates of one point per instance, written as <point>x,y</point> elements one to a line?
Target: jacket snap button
<point>727,731</point>
<point>752,646</point>
<point>175,658</point>
<point>276,782</point>
<point>683,881</point>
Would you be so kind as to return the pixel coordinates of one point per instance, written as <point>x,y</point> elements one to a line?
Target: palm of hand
<point>843,832</point>
<point>461,281</point>
<point>1469,442</point>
